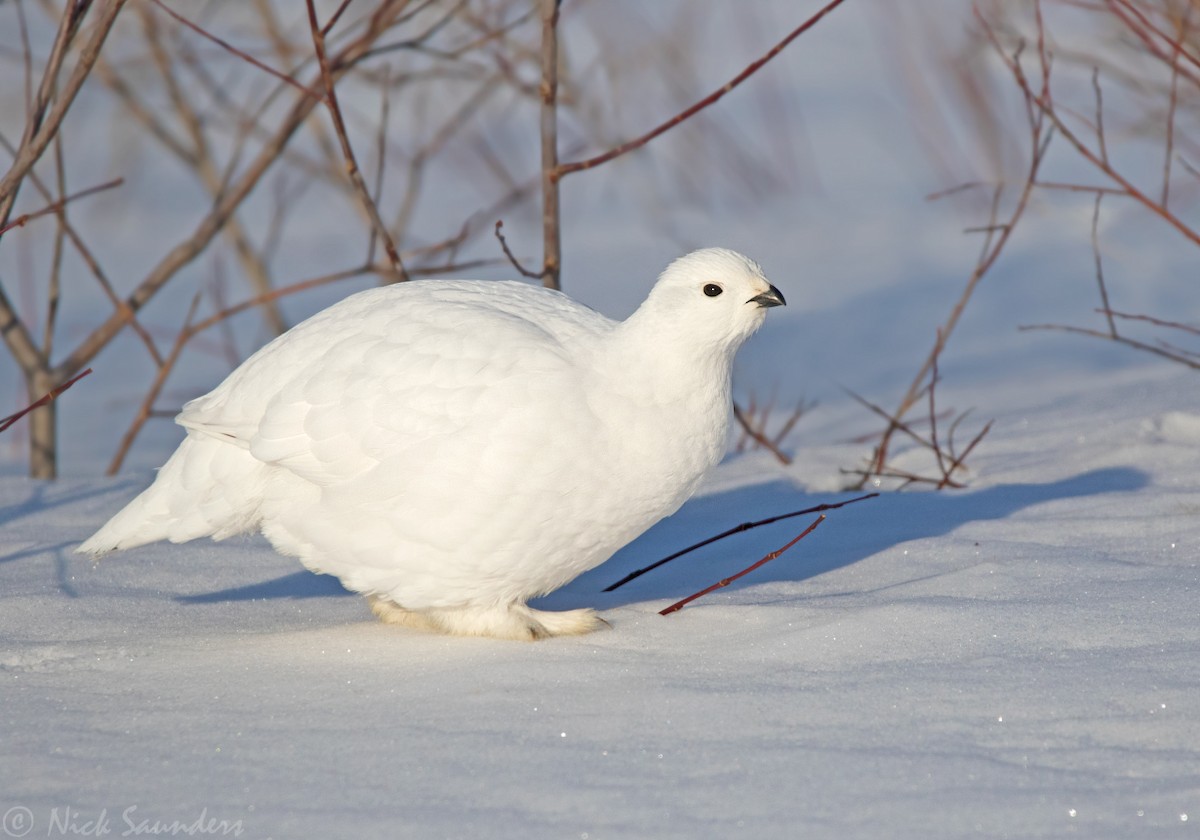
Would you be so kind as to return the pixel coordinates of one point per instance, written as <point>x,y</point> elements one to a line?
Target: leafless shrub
<point>755,421</point>
<point>1149,50</point>
<point>1160,40</point>
<point>253,107</point>
<point>949,458</point>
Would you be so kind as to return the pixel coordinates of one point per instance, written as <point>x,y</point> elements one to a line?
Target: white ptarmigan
<point>453,448</point>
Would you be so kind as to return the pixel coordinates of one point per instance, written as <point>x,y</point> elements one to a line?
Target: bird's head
<point>713,295</point>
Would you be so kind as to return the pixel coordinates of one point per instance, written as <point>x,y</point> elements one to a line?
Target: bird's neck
<point>658,366</point>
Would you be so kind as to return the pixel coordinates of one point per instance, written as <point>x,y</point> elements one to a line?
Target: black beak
<point>772,297</point>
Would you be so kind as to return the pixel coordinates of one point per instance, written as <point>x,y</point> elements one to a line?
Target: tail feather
<point>207,488</point>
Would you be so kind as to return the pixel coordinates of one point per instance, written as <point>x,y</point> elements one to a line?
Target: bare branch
<point>160,378</point>
<point>1099,114</point>
<point>678,605</point>
<point>49,397</point>
<point>40,131</point>
<point>339,125</point>
<point>1158,322</point>
<point>60,204</point>
<point>759,437</point>
<point>511,258</point>
<point>244,56</point>
<point>737,529</point>
<point>1120,339</point>
<point>1112,326</point>
<point>577,166</point>
<point>551,171</point>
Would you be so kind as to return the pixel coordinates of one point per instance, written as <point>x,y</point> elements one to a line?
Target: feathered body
<point>454,448</point>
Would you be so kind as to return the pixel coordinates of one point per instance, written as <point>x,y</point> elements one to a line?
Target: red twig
<point>1112,325</point>
<point>1158,322</point>
<point>737,529</point>
<point>160,379</point>
<point>759,437</point>
<point>617,151</point>
<point>330,99</point>
<point>1120,339</point>
<point>678,605</point>
<point>1045,106</point>
<point>52,395</point>
<point>225,45</point>
<point>525,272</point>
<point>58,205</point>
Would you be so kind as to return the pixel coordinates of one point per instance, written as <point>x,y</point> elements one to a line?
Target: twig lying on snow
<point>678,605</point>
<point>737,529</point>
<point>52,395</point>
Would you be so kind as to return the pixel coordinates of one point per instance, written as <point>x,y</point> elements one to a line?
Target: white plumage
<point>451,449</point>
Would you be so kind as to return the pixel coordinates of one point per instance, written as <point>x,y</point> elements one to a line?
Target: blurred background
<point>871,167</point>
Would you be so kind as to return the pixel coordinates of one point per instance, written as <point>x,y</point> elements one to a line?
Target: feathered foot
<point>515,621</point>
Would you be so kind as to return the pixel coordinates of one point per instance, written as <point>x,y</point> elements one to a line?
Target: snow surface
<point>1018,659</point>
<point>1014,660</point>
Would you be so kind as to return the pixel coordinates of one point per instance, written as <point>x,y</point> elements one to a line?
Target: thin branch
<point>201,160</point>
<point>1120,339</point>
<point>208,227</point>
<point>26,56</point>
<point>957,460</point>
<point>333,19</point>
<point>1083,188</point>
<point>47,398</point>
<point>160,378</point>
<point>1099,114</point>
<point>335,111</point>
<point>932,389</point>
<point>42,130</point>
<point>949,191</point>
<point>525,272</point>
<point>1176,44</point>
<point>54,287</point>
<point>896,423</point>
<point>758,437</point>
<point>244,56</point>
<point>60,204</point>
<point>678,605</point>
<point>380,147</point>
<point>1112,325</point>
<point>905,476</point>
<point>85,253</point>
<point>737,529</point>
<point>1172,105</point>
<point>551,171</point>
<point>997,237</point>
<point>1158,322</point>
<point>577,166</point>
<point>1127,187</point>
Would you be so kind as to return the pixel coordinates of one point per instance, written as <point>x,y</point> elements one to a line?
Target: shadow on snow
<point>851,534</point>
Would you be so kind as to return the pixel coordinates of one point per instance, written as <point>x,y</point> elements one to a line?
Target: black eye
<point>712,290</point>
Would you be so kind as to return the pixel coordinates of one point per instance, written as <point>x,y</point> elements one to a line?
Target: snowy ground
<point>1018,659</point>
<point>1015,660</point>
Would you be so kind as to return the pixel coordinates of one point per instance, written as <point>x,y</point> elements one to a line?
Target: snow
<point>1016,659</point>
